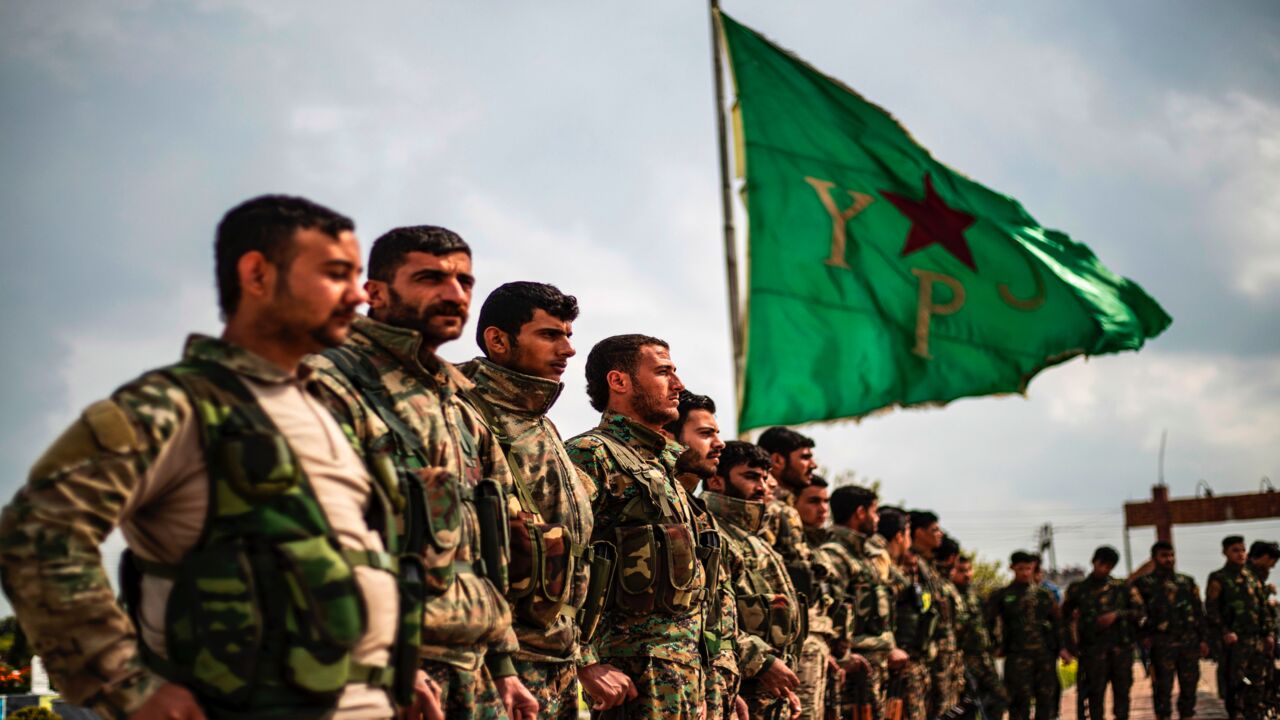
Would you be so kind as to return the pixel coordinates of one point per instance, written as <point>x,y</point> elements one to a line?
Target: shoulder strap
<point>361,372</point>
<point>504,441</point>
<point>632,464</point>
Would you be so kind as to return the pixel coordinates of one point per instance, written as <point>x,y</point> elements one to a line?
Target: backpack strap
<point>504,441</point>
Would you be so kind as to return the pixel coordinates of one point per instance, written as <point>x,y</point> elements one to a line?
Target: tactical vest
<point>264,610</point>
<point>657,554</point>
<point>864,609</point>
<point>917,618</point>
<point>779,618</point>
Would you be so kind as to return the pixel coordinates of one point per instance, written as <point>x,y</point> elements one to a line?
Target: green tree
<point>988,575</point>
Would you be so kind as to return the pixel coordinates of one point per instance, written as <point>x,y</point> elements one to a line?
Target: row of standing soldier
<point>325,519</point>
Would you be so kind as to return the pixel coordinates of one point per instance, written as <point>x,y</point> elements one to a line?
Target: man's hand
<point>1106,620</point>
<point>778,679</point>
<point>1229,638</point>
<point>1204,649</point>
<point>898,658</point>
<point>740,708</point>
<point>606,686</point>
<point>426,700</point>
<point>795,705</point>
<point>170,702</point>
<point>516,698</point>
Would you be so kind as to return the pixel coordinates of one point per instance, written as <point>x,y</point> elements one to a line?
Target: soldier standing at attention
<point>975,643</point>
<point>791,467</point>
<point>948,664</point>
<point>1174,632</point>
<point>524,330</point>
<point>1237,619</point>
<point>697,430</point>
<point>865,594</point>
<point>398,396</point>
<point>770,616</point>
<point>226,476</point>
<point>1101,615</point>
<point>813,505</point>
<point>923,618</point>
<point>1024,620</point>
<point>653,630</point>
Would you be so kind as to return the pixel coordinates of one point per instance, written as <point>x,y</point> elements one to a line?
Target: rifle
<point>893,704</point>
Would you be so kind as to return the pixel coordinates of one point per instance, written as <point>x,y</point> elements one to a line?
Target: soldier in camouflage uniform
<point>1025,622</point>
<point>820,675</point>
<point>1174,632</point>
<point>696,428</point>
<point>975,643</point>
<point>653,629</point>
<point>924,621</point>
<point>948,665</point>
<point>153,456</point>
<point>524,329</point>
<point>1101,614</point>
<point>1237,620</point>
<point>863,594</point>
<point>396,394</point>
<point>770,621</point>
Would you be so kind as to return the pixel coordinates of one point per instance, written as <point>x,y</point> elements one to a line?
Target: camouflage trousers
<point>722,692</point>
<point>916,690</point>
<point>1247,675</point>
<point>812,671</point>
<point>859,689</point>
<point>1100,667</point>
<point>1032,678</point>
<point>555,685</point>
<point>946,677</point>
<point>466,693</point>
<point>987,685</point>
<point>667,690</point>
<point>1169,661</point>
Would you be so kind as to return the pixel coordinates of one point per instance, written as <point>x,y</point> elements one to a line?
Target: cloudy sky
<point>574,142</point>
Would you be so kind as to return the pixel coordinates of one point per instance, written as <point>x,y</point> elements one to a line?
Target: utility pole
<point>1044,537</point>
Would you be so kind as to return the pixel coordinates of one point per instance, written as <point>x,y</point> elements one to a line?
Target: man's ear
<point>715,483</point>
<point>258,275</point>
<point>496,342</point>
<point>779,461</point>
<point>618,381</point>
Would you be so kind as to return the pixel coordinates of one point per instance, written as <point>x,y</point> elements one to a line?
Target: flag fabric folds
<point>879,276</point>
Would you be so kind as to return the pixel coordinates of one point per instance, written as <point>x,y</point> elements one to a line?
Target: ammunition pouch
<point>541,570</point>
<point>773,618</point>
<point>491,515</point>
<point>709,554</point>
<point>435,505</point>
<point>657,569</point>
<point>802,577</point>
<point>603,556</point>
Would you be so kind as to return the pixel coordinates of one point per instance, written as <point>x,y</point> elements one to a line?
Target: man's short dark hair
<point>620,352</point>
<point>949,548</point>
<point>1230,540</point>
<point>737,452</point>
<point>391,248</point>
<point>818,481</point>
<point>1022,556</point>
<point>689,401</point>
<point>1161,545</point>
<point>891,523</point>
<point>783,440</point>
<point>265,224</point>
<point>512,305</point>
<point>1262,548</point>
<point>1106,554</point>
<point>922,519</point>
<point>846,500</point>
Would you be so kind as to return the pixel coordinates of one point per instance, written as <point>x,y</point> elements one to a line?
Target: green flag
<point>879,276</point>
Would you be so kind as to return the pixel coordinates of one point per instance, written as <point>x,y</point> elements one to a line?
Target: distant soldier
<point>823,676</point>
<point>975,643</point>
<point>813,504</point>
<point>1025,622</point>
<point>259,580</point>
<point>697,429</point>
<point>1101,615</point>
<point>867,597</point>
<point>791,467</point>
<point>1239,622</point>
<point>920,617</point>
<point>948,665</point>
<point>524,331</point>
<point>771,620</point>
<point>652,629</point>
<point>1174,631</point>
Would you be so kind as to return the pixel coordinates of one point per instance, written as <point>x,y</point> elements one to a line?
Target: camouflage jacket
<point>755,569</point>
<point>76,494</point>
<point>971,632</point>
<point>1174,614</point>
<point>783,522</point>
<point>943,595</point>
<point>1088,599</point>
<point>517,406</point>
<point>470,619</point>
<point>866,597</point>
<point>1024,620</point>
<point>673,637</point>
<point>726,629</point>
<point>1235,601</point>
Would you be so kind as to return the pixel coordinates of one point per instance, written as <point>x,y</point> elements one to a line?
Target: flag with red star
<point>878,276</point>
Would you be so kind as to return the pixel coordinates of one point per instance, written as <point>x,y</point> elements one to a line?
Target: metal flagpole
<point>726,204</point>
